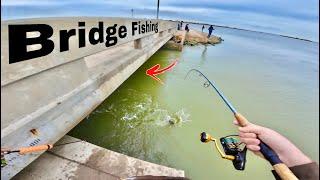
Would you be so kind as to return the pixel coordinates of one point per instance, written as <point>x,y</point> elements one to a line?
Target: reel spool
<point>234,150</point>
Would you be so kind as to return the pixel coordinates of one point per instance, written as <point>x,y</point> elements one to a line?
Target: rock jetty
<point>190,38</point>
<point>195,37</point>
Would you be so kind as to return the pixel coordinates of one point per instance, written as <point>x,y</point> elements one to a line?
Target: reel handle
<point>282,170</point>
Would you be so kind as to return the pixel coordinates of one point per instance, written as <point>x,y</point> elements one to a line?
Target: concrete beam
<point>53,93</point>
<point>16,71</point>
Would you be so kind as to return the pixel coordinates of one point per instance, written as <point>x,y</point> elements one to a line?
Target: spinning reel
<point>234,150</point>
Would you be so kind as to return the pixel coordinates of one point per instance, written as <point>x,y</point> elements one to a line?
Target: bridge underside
<point>68,93</point>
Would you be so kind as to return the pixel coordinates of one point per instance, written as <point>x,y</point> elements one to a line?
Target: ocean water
<point>272,80</point>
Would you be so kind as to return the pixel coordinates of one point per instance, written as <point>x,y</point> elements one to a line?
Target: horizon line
<point>250,30</point>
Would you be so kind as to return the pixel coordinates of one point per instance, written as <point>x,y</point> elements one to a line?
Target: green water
<point>271,80</point>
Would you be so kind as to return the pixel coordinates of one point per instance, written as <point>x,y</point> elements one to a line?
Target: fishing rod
<point>30,149</point>
<point>231,146</point>
<point>23,151</point>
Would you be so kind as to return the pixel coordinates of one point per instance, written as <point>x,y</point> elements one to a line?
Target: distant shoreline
<point>291,37</point>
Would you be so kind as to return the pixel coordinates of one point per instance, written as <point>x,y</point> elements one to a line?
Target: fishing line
<point>72,142</point>
<point>208,83</point>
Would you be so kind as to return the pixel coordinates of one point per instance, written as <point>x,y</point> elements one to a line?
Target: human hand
<point>252,135</point>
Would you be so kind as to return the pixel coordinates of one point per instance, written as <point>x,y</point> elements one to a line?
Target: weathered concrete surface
<point>53,93</point>
<point>82,160</point>
<point>16,71</point>
<point>176,42</point>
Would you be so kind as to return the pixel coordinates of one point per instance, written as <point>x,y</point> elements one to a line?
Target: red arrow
<point>154,70</point>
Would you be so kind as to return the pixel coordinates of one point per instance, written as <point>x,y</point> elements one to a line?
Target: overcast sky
<point>297,18</point>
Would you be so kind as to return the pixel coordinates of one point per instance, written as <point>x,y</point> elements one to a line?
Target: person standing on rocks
<point>210,31</point>
<point>202,27</point>
<point>187,27</point>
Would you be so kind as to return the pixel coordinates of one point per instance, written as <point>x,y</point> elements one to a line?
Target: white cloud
<point>59,2</point>
<point>27,2</point>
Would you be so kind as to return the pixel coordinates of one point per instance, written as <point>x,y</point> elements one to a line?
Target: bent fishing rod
<point>232,148</point>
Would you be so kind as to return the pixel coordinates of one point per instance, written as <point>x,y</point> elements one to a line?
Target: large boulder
<point>214,40</point>
<point>195,37</point>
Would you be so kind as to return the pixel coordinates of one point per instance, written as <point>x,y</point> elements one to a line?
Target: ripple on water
<point>141,109</point>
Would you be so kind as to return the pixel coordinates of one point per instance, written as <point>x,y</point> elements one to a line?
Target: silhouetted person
<point>179,27</point>
<point>210,31</point>
<point>187,27</point>
<point>202,27</point>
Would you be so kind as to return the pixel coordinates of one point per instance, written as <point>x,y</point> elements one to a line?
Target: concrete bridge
<point>55,71</point>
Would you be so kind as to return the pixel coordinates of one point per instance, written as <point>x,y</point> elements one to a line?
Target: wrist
<point>295,159</point>
<point>288,153</point>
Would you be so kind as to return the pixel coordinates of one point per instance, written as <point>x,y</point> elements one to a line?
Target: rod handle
<point>284,172</point>
<point>31,149</point>
<point>241,119</point>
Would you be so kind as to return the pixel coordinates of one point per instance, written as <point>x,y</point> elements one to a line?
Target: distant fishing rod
<point>231,146</point>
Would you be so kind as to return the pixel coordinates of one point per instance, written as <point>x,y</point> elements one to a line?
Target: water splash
<point>140,109</point>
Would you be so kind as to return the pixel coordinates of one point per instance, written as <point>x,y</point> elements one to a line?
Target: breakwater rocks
<point>195,37</point>
<point>176,42</point>
<point>190,38</point>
